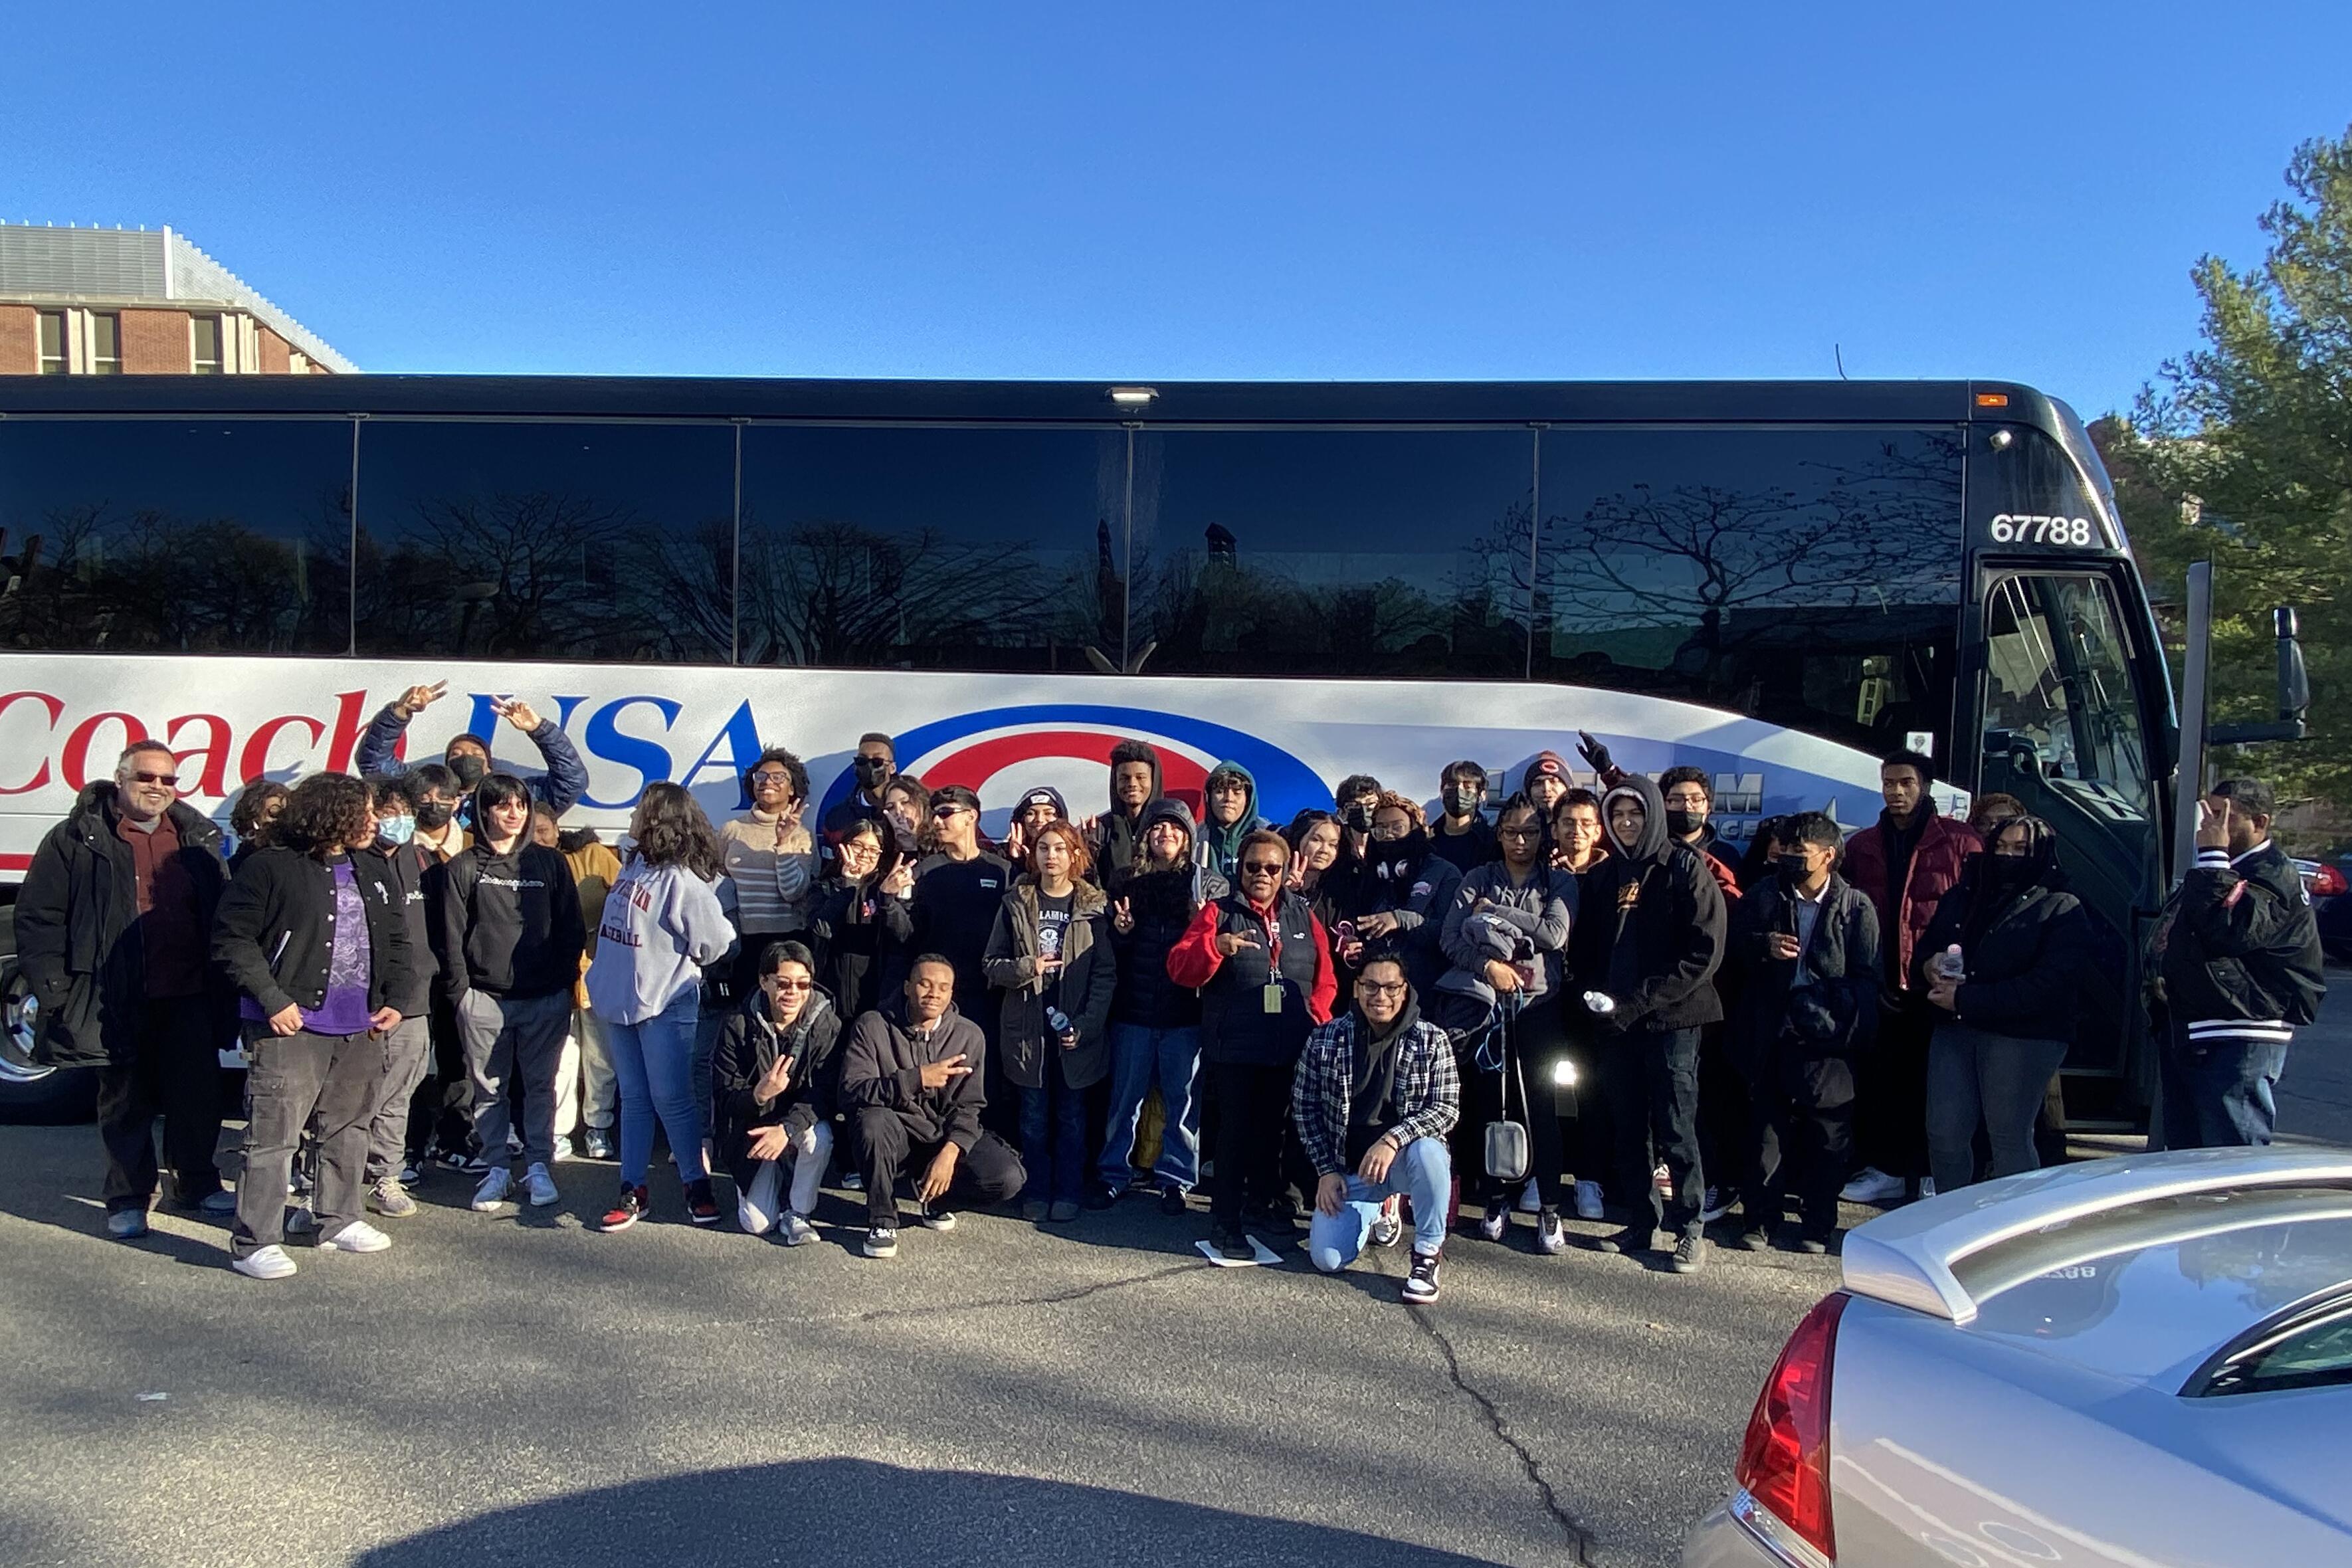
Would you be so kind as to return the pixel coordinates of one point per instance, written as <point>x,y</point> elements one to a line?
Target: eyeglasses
<point>156,778</point>
<point>771,778</point>
<point>1381,987</point>
<point>1263,867</point>
<point>1518,832</point>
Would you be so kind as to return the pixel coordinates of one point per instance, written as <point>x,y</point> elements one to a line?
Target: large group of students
<point>1372,1018</point>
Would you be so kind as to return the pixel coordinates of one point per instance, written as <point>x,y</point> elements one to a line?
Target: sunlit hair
<point>1391,801</point>
<point>253,801</point>
<point>1082,860</point>
<point>673,831</point>
<point>327,809</point>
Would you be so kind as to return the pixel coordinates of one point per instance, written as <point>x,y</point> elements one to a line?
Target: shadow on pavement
<point>855,1513</point>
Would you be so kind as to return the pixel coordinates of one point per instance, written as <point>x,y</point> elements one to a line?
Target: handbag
<point>1509,1154</point>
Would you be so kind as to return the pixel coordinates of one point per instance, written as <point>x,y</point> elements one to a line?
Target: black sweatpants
<point>988,1173</point>
<point>174,1073</point>
<point>1253,1110</point>
<point>441,1111</point>
<point>1654,1106</point>
<point>1801,1138</point>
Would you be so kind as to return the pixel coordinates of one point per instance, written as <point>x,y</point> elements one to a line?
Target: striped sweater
<point>773,887</point>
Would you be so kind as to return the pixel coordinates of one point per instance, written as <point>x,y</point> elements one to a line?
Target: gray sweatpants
<point>407,1051</point>
<point>514,1043</point>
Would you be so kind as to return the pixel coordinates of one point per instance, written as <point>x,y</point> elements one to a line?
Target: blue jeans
<point>2218,1094</point>
<point>653,1063</point>
<point>1054,1140</point>
<point>1423,1171</point>
<point>1140,1058</point>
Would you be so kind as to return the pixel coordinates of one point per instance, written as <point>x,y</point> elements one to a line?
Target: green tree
<point>2241,453</point>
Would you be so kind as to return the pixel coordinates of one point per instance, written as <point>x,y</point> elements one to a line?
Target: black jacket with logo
<point>2239,946</point>
<point>274,933</point>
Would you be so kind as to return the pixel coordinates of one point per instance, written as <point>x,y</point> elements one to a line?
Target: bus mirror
<point>2294,682</point>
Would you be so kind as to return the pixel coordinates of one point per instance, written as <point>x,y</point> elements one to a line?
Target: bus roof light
<point>1132,396</point>
<point>1992,400</point>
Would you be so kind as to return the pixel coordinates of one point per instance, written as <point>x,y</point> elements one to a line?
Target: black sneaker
<point>1814,1242</point>
<point>1690,1252</point>
<point>1755,1238</point>
<point>1230,1243</point>
<point>629,1208</point>
<point>701,1206</point>
<point>1172,1201</point>
<point>1100,1197</point>
<point>881,1241</point>
<point>933,1217</point>
<point>1633,1239</point>
<point>1421,1285</point>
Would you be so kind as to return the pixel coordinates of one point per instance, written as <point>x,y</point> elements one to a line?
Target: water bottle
<point>1059,1022</point>
<point>1948,964</point>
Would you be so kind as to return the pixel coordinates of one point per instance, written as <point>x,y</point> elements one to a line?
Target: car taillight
<point>1784,1464</point>
<point>2329,883</point>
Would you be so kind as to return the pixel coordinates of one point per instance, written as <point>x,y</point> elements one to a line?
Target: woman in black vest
<point>1261,963</point>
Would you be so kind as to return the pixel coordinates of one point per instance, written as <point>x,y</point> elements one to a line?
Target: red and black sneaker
<point>625,1211</point>
<point>701,1206</point>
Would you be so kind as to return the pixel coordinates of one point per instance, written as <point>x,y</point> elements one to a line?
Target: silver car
<point>2141,1361</point>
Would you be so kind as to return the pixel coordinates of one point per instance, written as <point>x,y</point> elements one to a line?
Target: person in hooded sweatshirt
<point>1036,809</point>
<point>1228,815</point>
<point>468,755</point>
<point>508,942</point>
<point>862,917</point>
<point>663,921</point>
<point>1050,955</point>
<point>1116,837</point>
<point>1397,902</point>
<point>1505,930</point>
<point>775,1084</point>
<point>1155,1023</point>
<point>1645,957</point>
<point>2003,1025</point>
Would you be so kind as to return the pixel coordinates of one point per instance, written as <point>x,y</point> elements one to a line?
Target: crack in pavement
<point>1051,1298</point>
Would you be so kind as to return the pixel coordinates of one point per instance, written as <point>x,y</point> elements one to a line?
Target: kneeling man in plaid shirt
<point>1375,1095</point>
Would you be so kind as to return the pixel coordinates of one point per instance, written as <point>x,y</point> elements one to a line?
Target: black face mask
<point>2008,871</point>
<point>469,767</point>
<point>1790,869</point>
<point>1396,859</point>
<point>432,815</point>
<point>872,772</point>
<point>1682,824</point>
<point>1358,816</point>
<point>1462,802</point>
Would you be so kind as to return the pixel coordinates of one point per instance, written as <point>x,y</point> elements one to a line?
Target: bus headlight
<point>1563,1074</point>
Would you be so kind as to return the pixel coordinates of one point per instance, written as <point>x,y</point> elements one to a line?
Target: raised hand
<point>417,698</point>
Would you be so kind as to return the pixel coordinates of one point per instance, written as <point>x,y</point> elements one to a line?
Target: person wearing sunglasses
<point>775,1078</point>
<point>1261,963</point>
<point>959,886</point>
<point>113,923</point>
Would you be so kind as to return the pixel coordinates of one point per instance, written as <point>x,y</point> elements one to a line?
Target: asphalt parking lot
<point>505,1389</point>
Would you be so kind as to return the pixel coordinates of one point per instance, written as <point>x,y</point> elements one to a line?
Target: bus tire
<point>30,1092</point>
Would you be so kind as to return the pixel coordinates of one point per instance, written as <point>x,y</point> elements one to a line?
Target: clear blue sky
<point>1279,191</point>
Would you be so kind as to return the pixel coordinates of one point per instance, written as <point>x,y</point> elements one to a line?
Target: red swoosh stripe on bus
<point>973,765</point>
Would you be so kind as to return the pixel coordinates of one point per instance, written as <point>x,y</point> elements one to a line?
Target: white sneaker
<point>357,1236</point>
<point>598,1143</point>
<point>1530,1200</point>
<point>492,1192</point>
<point>389,1198</point>
<point>1873,1185</point>
<point>1587,1200</point>
<point>264,1263</point>
<point>563,1147</point>
<point>1716,1204</point>
<point>1927,1186</point>
<point>796,1230</point>
<point>538,1188</point>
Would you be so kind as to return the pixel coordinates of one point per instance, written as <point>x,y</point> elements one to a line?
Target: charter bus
<point>1776,582</point>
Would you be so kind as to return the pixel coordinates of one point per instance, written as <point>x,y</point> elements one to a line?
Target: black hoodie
<point>2025,941</point>
<point>509,924</point>
<point>1118,837</point>
<point>1651,931</point>
<point>1162,904</point>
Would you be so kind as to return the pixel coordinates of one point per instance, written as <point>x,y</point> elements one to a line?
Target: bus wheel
<point>29,1091</point>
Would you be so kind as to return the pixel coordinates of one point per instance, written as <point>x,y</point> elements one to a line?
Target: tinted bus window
<point>155,535</point>
<point>1328,552</point>
<point>1809,578</point>
<point>486,539</point>
<point>931,548</point>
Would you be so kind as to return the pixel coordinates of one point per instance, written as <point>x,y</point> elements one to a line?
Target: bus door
<point>2065,728</point>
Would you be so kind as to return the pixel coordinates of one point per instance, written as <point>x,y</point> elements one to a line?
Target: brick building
<point>98,301</point>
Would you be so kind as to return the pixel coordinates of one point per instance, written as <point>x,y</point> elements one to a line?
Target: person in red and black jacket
<point>1261,963</point>
<point>1904,866</point>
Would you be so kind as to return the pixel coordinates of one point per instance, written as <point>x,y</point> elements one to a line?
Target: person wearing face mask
<point>2003,1026</point>
<point>1505,931</point>
<point>1463,838</point>
<point>1645,961</point>
<point>1723,1112</point>
<point>775,1083</point>
<point>1228,815</point>
<point>1400,897</point>
<point>874,765</point>
<point>509,941</point>
<point>1803,946</point>
<point>408,1048</point>
<point>468,755</point>
<point>861,916</point>
<point>772,860</point>
<point>1115,836</point>
<point>1050,956</point>
<point>1352,804</point>
<point>440,1119</point>
<point>112,924</point>
<point>1690,801</point>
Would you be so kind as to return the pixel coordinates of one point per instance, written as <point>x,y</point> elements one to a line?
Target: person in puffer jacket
<point>775,1086</point>
<point>2237,956</point>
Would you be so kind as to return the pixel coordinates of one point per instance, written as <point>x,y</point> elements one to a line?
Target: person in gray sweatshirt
<point>1503,937</point>
<point>663,921</point>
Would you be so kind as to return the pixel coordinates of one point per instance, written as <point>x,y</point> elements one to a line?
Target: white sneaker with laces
<point>538,1187</point>
<point>796,1230</point>
<point>1587,1200</point>
<point>357,1236</point>
<point>492,1193</point>
<point>264,1263</point>
<point>1871,1185</point>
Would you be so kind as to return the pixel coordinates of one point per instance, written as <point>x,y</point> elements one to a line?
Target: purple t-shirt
<point>344,1009</point>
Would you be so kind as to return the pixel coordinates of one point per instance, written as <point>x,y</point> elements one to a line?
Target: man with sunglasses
<point>114,932</point>
<point>1375,1095</point>
<point>958,887</point>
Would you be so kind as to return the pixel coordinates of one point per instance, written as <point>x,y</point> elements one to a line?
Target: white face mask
<point>395,829</point>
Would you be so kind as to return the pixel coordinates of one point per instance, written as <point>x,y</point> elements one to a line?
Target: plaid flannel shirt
<point>1428,1088</point>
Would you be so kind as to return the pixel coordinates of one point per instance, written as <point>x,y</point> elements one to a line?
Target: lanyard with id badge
<point>1270,994</point>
